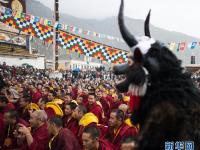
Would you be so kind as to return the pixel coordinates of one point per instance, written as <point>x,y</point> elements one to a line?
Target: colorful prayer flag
<point>172,46</point>
<point>8,12</point>
<point>193,45</point>
<point>37,19</point>
<point>41,20</point>
<point>46,22</point>
<point>22,15</point>
<point>182,46</point>
<point>32,18</point>
<point>178,45</point>
<point>27,17</point>
<point>2,9</point>
<point>49,23</point>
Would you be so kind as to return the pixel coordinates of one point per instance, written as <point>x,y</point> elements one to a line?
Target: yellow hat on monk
<point>58,101</point>
<point>58,111</point>
<point>88,118</point>
<point>32,106</point>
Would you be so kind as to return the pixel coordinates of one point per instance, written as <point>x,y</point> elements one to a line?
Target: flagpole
<point>55,31</point>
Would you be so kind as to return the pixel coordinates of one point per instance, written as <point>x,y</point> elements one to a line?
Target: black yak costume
<point>169,108</point>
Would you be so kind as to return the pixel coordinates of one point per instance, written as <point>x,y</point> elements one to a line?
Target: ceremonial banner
<point>65,39</point>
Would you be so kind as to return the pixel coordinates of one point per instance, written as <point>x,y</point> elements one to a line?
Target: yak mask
<point>136,75</point>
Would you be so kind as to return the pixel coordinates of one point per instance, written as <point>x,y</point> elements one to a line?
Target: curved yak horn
<point>146,25</point>
<point>127,36</point>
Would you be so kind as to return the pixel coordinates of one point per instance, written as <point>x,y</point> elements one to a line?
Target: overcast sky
<point>175,15</point>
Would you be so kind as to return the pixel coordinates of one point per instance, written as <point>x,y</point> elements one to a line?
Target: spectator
<point>63,138</point>
<point>118,130</point>
<point>38,137</point>
<point>92,141</point>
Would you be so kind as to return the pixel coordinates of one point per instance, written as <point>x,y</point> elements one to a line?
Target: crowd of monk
<point>39,113</point>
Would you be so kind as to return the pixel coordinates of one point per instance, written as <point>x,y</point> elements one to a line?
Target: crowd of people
<point>79,111</point>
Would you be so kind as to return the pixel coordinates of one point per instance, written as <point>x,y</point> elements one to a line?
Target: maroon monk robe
<point>36,96</point>
<point>71,124</point>
<point>65,140</point>
<point>106,106</point>
<point>115,105</point>
<point>9,106</point>
<point>10,142</point>
<point>74,93</point>
<point>24,114</point>
<point>105,145</point>
<point>80,132</point>
<point>96,110</point>
<point>85,100</point>
<point>40,138</point>
<point>122,132</point>
<point>103,130</point>
<point>109,98</point>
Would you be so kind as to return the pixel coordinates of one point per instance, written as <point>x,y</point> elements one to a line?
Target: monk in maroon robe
<point>11,120</point>
<point>118,130</point>
<point>85,119</point>
<point>4,107</point>
<point>105,105</point>
<point>23,111</point>
<point>92,141</point>
<point>63,138</point>
<point>39,137</point>
<point>73,126</point>
<point>89,121</point>
<point>94,108</point>
<point>115,101</point>
<point>69,121</point>
<point>36,95</point>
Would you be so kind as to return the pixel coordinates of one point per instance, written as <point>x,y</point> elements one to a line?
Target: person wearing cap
<point>53,109</point>
<point>38,137</point>
<point>85,119</point>
<point>62,138</point>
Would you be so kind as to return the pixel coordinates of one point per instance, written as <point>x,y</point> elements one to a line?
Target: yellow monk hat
<point>58,101</point>
<point>32,106</point>
<point>88,118</point>
<point>58,111</point>
<point>128,122</point>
